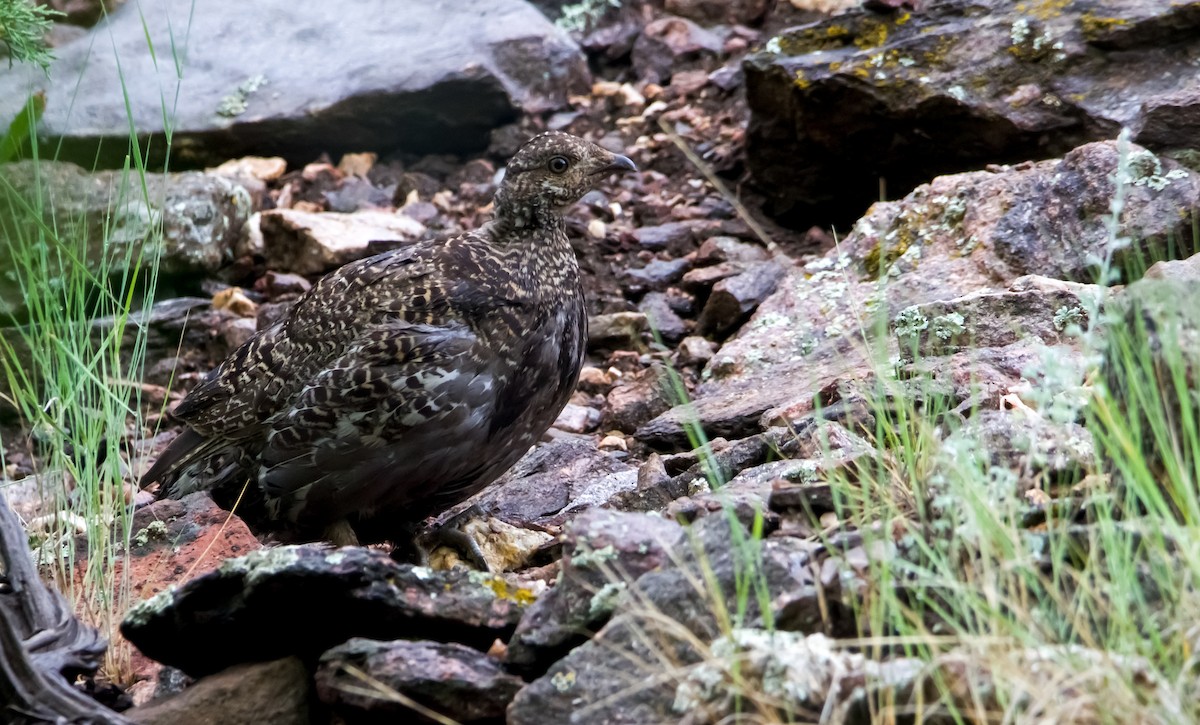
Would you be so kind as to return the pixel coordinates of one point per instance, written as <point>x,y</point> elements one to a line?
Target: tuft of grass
<point>68,378</point>
<point>1071,601</point>
<point>1101,592</point>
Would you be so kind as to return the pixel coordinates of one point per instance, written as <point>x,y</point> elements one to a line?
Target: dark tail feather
<point>177,454</point>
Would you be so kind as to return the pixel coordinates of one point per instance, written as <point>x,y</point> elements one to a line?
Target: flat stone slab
<point>294,78</point>
<point>302,600</point>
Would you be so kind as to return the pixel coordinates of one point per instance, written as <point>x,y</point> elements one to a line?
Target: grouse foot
<point>449,533</point>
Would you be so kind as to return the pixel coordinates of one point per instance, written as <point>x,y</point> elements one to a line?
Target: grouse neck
<point>516,221</point>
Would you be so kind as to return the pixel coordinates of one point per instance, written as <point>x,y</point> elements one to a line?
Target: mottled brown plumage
<point>403,383</point>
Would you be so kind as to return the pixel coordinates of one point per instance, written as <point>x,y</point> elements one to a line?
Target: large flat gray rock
<point>298,77</point>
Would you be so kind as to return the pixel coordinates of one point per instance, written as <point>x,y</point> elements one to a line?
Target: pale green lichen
<point>261,564</point>
<point>585,557</point>
<point>1066,317</point>
<point>910,322</point>
<point>579,17</point>
<point>799,672</point>
<point>806,472</point>
<point>235,103</point>
<point>563,681</point>
<point>948,326</point>
<point>140,614</point>
<point>154,531</point>
<point>770,319</point>
<point>1146,169</point>
<point>604,601</point>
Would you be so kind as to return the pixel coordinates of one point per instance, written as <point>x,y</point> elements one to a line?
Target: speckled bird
<point>401,384</point>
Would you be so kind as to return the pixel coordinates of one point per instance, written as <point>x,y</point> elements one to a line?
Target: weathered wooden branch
<point>43,647</point>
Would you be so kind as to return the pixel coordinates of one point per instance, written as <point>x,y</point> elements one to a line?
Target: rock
<point>555,479</point>
<point>716,12</point>
<point>658,273</point>
<point>1171,120</point>
<point>577,419</point>
<point>281,284</point>
<point>797,673</point>
<point>191,536</point>
<point>715,250</point>
<point>747,494</point>
<point>308,243</point>
<point>974,233</point>
<point>662,319</point>
<point>354,193</point>
<point>1001,82</point>
<point>445,92</point>
<point>734,298</point>
<point>666,616</point>
<point>701,279</point>
<point>246,610</point>
<point>634,400</point>
<point>1187,270</point>
<point>458,682</point>
<point>81,12</point>
<point>668,45</point>
<point>202,217</point>
<point>694,350</point>
<point>262,168</point>
<point>249,694</point>
<point>594,380</point>
<point>673,236</point>
<point>603,552</point>
<point>1033,306</point>
<point>621,330</point>
<point>1047,455</point>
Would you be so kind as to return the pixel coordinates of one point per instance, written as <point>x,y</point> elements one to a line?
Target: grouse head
<point>554,170</point>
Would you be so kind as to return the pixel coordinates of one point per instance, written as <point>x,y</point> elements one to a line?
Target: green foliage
<point>21,132</point>
<point>23,28</point>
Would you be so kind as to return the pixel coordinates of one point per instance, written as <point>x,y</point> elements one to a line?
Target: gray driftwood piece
<point>43,647</point>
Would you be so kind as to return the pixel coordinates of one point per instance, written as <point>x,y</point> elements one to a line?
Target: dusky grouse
<point>401,384</point>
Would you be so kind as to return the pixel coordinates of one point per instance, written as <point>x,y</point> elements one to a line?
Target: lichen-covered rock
<point>302,600</point>
<point>664,623</point>
<point>969,234</point>
<point>555,479</point>
<point>603,553</point>
<point>905,96</point>
<point>201,217</point>
<point>1037,307</point>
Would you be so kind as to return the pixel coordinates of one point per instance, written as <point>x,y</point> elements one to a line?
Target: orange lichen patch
<point>1043,9</point>
<point>503,590</point>
<point>1094,26</point>
<point>872,34</point>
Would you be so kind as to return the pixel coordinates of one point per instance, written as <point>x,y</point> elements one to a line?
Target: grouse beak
<point>619,163</point>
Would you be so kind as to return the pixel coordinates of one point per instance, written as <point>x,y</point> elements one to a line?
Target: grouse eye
<point>558,164</point>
